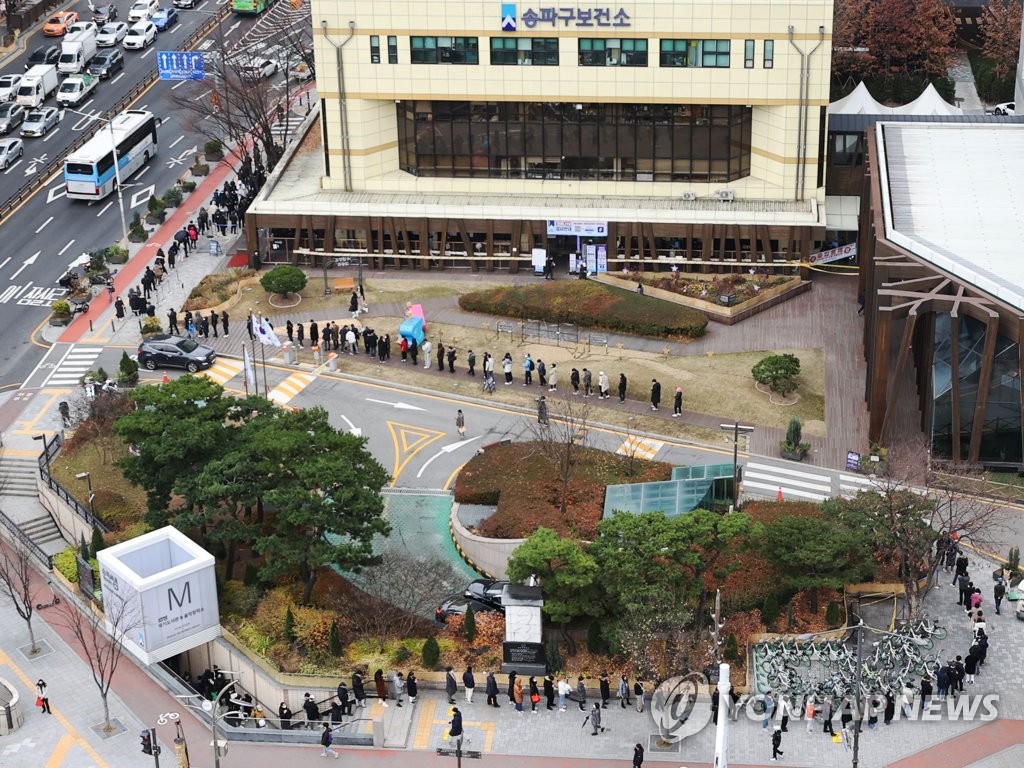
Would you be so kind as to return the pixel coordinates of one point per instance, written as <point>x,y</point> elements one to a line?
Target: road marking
<point>104,209</point>
<point>31,259</point>
<point>640,447</point>
<point>13,165</point>
<point>223,370</point>
<point>445,449</point>
<point>90,101</point>
<point>352,428</point>
<point>61,251</point>
<point>117,78</point>
<point>73,366</point>
<point>202,96</point>
<point>176,87</point>
<point>144,169</point>
<point>51,134</point>
<point>409,440</point>
<point>55,192</point>
<point>399,406</point>
<point>151,50</point>
<point>291,387</point>
<point>177,140</point>
<point>4,264</point>
<point>142,196</point>
<point>43,225</point>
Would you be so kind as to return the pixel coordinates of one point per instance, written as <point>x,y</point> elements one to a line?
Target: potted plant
<point>115,254</point>
<point>151,325</point>
<point>136,231</point>
<point>213,150</point>
<point>60,313</point>
<point>157,210</point>
<point>791,448</point>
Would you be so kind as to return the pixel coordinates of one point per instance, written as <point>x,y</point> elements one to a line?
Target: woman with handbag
<point>534,695</point>
<point>42,700</point>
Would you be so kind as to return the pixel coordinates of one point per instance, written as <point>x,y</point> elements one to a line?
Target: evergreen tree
<point>334,641</point>
<point>469,626</point>
<point>289,625</point>
<point>431,653</point>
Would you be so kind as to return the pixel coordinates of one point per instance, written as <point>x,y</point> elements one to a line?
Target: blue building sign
<point>181,65</point>
<point>580,18</point>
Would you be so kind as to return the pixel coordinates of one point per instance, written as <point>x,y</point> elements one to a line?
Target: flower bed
<point>740,287</point>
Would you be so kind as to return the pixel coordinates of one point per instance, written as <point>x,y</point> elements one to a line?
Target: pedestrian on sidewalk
<point>203,219</point>
<point>172,253</point>
<point>998,593</point>
<point>450,686</point>
<point>809,713</point>
<point>677,403</point>
<point>549,691</point>
<point>491,690</point>
<point>506,366</point>
<point>527,370</point>
<point>638,756</point>
<point>926,693</point>
<point>468,681</point>
<point>193,236</point>
<point>942,681</point>
<point>602,385</point>
<point>542,411</point>
<point>460,426</point>
<point>224,321</point>
<point>314,332</point>
<point>542,373</point>
<point>581,693</point>
<point>471,362</point>
<point>284,715</point>
<point>353,305</point>
<point>605,688</point>
<point>414,351</point>
<point>172,321</point>
<point>181,237</point>
<point>510,689</point>
<point>455,727</point>
<point>204,324</point>
<point>960,567</point>
<point>233,218</point>
<point>622,387</point>
<point>440,357</point>
<point>426,348</point>
<point>776,743</point>
<point>358,689</point>
<point>214,320</point>
<point>574,380</point>
<point>623,692</point>
<point>300,333</point>
<point>595,720</point>
<point>326,739</point>
<point>381,685</point>
<point>655,394</point>
<point>553,378</point>
<point>588,382</point>
<point>399,682</point>
<point>564,689</point>
<point>769,710</point>
<point>345,699</point>
<point>963,584</point>
<point>826,716</point>
<point>119,314</point>
<point>971,665</point>
<point>640,694</point>
<point>412,686</point>
<point>309,706</point>
<point>42,700</point>
<point>517,694</point>
<point>452,354</point>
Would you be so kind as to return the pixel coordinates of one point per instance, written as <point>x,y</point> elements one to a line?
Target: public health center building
<point>468,133</point>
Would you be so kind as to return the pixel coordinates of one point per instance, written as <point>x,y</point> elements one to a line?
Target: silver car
<point>10,150</point>
<point>11,116</point>
<point>38,122</point>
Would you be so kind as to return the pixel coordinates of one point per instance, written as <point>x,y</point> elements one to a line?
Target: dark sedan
<point>165,351</point>
<point>457,605</point>
<point>44,54</point>
<point>486,590</point>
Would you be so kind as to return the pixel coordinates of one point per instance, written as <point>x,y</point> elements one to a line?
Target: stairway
<point>19,502</point>
<point>18,476</point>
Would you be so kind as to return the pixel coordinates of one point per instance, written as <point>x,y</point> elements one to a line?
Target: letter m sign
<point>173,599</point>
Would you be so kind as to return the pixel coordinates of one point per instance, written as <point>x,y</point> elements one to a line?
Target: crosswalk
<point>290,387</point>
<point>768,480</point>
<point>70,369</point>
<point>223,370</point>
<point>640,447</point>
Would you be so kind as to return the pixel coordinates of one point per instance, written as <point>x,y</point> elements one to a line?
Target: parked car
<point>57,25</point>
<point>104,12</point>
<point>143,9</point>
<point>38,122</point>
<point>44,54</point>
<point>10,150</point>
<point>9,87</point>
<point>457,605</point>
<point>165,18</point>
<point>106,63</point>
<point>161,350</point>
<point>11,116</point>
<point>486,590</point>
<point>255,69</point>
<point>1006,108</point>
<point>140,35</point>
<point>111,34</point>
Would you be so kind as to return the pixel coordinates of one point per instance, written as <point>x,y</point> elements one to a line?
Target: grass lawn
<point>118,503</point>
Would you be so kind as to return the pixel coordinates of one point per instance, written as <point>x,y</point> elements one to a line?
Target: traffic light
<point>146,738</point>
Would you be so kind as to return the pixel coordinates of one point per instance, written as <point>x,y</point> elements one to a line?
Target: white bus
<point>89,172</point>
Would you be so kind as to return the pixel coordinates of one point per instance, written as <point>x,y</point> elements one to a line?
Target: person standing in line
<point>588,381</point>
<point>574,381</point>
<point>488,366</point>
<point>412,686</point>
<point>949,557</point>
<point>336,714</point>
<point>460,425</point>
<point>655,394</point>
<point>491,689</point>
<point>809,713</point>
<point>399,688</point>
<point>926,693</point>
<point>963,585</point>
<point>606,690</point>
<point>224,322</point>
<point>326,739</point>
<point>639,693</point>
<point>314,333</point>
<point>942,680</point>
<point>602,386</point>
<point>414,350</point>
<point>553,378</point>
<point>452,354</point>
<point>506,366</point>
<point>581,693</point>
<point>971,665</point>
<point>344,699</point>
<point>622,387</point>
<point>677,403</point>
<point>716,699</point>
<point>527,370</point>
<point>542,373</point>
<point>826,717</point>
<point>450,686</point>
<point>510,690</point>
<point>119,308</point>
<point>776,743</point>
<point>350,340</point>
<point>471,362</point>
<point>595,720</point>
<point>960,568</point>
<point>517,694</point>
<point>624,692</point>
<point>890,709</point>
<point>564,689</point>
<point>549,691</point>
<point>381,685</point>
<point>440,356</point>
<point>312,711</point>
<point>289,330</point>
<point>300,333</point>
<point>999,592</point>
<point>172,327</point>
<point>638,756</point>
<point>42,700</point>
<point>284,715</point>
<point>403,347</point>
<point>426,348</point>
<point>468,681</point>
<point>542,411</point>
<point>769,710</point>
<point>785,709</point>
<point>214,322</point>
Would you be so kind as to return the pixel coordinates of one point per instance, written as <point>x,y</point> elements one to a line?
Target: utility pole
<point>722,730</point>
<point>736,428</point>
<point>858,694</point>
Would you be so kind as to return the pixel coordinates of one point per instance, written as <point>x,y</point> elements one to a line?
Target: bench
<point>344,284</point>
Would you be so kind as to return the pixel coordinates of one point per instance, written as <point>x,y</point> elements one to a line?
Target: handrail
<point>54,485</point>
<point>25,540</point>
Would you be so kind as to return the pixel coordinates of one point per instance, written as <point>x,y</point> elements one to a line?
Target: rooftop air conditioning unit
<point>689,196</point>
<point>726,195</point>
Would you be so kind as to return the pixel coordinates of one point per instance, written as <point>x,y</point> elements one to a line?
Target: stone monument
<point>523,649</point>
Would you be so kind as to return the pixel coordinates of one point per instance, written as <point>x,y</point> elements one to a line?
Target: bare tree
<point>561,440</point>
<point>16,584</point>
<point>406,590</point>
<point>103,649</point>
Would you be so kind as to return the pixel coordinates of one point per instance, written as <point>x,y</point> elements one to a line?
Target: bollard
<point>90,325</point>
<point>332,362</point>
<point>112,328</point>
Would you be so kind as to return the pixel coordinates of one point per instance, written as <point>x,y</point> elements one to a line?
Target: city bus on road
<point>89,172</point>
<point>251,6</point>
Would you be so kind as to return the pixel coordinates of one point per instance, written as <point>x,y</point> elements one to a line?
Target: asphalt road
<point>47,232</point>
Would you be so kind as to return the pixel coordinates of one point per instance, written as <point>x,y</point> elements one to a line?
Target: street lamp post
<point>88,479</point>
<point>736,428</point>
<point>210,707</point>
<point>117,168</point>
<point>46,450</point>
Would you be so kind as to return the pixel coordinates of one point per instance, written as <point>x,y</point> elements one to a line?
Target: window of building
<point>847,149</point>
<point>769,54</point>
<point>748,54</point>
<point>374,49</point>
<point>535,51</point>
<point>392,49</point>
<point>444,50</point>
<point>697,53</point>
<point>611,52</point>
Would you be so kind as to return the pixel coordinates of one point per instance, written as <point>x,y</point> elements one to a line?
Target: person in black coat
<point>345,699</point>
<point>469,682</point>
<point>358,691</point>
<point>890,709</point>
<point>492,690</point>
<point>412,687</point>
<point>655,394</point>
<point>455,727</point>
<point>606,692</point>
<point>622,387</point>
<point>284,713</point>
<point>440,356</point>
<point>549,691</point>
<point>312,711</point>
<point>450,686</point>
<point>512,688</point>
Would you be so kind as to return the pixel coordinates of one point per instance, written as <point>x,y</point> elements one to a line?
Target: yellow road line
<point>56,758</point>
<point>421,740</point>
<point>409,440</point>
<point>28,427</point>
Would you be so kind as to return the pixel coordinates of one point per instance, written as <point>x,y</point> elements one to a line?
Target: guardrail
<point>41,178</point>
<point>30,545</point>
<point>44,472</point>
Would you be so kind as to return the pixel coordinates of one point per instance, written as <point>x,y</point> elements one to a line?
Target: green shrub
<point>334,640</point>
<point>213,149</point>
<point>289,625</point>
<point>770,609</point>
<point>172,197</point>
<point>188,186</point>
<point>136,230</point>
<point>833,616</point>
<point>991,88</point>
<point>67,563</point>
<point>777,372</point>
<point>97,261</point>
<point>469,625</point>
<point>97,541</point>
<point>116,254</point>
<point>128,370</point>
<point>101,375</point>
<point>131,531</point>
<point>732,649</point>
<point>240,599</point>
<point>60,308</point>
<point>401,656</point>
<point>595,644</point>
<point>251,575</point>
<point>200,169</point>
<point>155,204</point>
<point>151,325</point>
<point>284,280</point>
<point>431,653</point>
<point>554,655</point>
<point>590,304</point>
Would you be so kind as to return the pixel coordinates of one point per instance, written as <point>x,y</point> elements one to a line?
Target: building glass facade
<point>622,142</point>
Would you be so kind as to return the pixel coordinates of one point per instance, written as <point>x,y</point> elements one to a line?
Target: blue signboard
<point>181,65</point>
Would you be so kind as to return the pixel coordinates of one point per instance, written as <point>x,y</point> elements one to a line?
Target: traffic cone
<point>778,496</point>
<point>165,379</point>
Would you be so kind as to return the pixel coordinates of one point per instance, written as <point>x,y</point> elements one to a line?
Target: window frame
<point>447,49</point>
<point>749,53</point>
<point>375,49</point>
<point>392,49</point>
<point>597,51</point>
<point>769,54</point>
<point>538,53</point>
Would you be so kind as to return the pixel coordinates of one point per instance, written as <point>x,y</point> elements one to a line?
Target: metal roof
<point>861,123</point>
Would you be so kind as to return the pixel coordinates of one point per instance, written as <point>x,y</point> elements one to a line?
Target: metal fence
<point>51,482</point>
<point>25,541</point>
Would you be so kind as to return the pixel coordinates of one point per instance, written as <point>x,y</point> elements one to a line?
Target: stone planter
<point>794,454</point>
<point>60,320</point>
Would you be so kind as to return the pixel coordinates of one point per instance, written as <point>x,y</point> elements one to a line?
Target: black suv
<point>44,54</point>
<point>457,605</point>
<point>106,62</point>
<point>165,351</point>
<point>103,13</point>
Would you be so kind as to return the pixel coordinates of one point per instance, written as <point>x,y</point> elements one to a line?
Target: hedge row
<point>590,304</point>
<point>991,89</point>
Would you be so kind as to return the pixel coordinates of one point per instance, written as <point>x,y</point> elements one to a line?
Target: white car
<point>111,34</point>
<point>38,122</point>
<point>9,87</point>
<point>255,69</point>
<point>10,150</point>
<point>1006,108</point>
<point>139,36</point>
<point>143,9</point>
<point>81,26</point>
